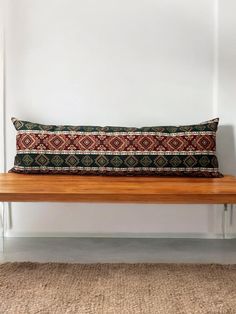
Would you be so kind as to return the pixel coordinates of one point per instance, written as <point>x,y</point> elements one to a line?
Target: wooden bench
<point>146,190</point>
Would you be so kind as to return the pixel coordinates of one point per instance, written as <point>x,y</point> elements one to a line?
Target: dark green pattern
<point>26,125</point>
<point>117,161</point>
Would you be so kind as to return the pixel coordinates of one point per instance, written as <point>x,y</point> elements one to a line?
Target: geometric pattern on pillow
<point>163,150</point>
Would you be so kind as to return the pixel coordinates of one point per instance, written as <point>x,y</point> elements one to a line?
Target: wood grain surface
<point>75,188</point>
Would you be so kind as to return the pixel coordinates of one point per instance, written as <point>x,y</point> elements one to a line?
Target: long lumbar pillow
<point>165,150</point>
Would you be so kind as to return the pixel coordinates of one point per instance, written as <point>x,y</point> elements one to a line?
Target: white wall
<point>227,82</point>
<point>227,88</point>
<point>2,111</point>
<point>126,62</point>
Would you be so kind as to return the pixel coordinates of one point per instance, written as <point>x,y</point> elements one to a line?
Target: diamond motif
<point>56,142</point>
<point>28,141</point>
<point>146,161</point>
<point>72,161</point>
<point>186,128</point>
<point>172,129</point>
<point>214,162</point>
<point>116,161</point>
<point>18,124</point>
<point>160,161</point>
<point>175,161</point>
<point>57,160</point>
<point>145,143</point>
<point>190,161</point>
<point>30,126</point>
<point>204,161</point>
<point>42,160</point>
<point>131,161</point>
<point>17,161</point>
<point>44,127</point>
<point>86,142</point>
<point>116,143</point>
<point>175,143</point>
<point>87,161</point>
<point>200,127</point>
<point>204,142</point>
<point>101,161</point>
<point>27,160</point>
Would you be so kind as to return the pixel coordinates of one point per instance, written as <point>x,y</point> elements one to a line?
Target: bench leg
<point>2,236</point>
<point>225,221</point>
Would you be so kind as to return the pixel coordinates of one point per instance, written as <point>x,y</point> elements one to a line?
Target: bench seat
<point>153,190</point>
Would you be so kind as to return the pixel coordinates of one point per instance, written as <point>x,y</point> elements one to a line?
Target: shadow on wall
<point>226,149</point>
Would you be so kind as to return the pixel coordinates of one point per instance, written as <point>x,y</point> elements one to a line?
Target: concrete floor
<point>101,250</point>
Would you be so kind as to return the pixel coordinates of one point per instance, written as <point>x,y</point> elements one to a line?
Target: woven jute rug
<point>117,288</point>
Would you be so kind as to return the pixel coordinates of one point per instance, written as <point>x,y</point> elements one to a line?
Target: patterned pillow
<point>165,150</point>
